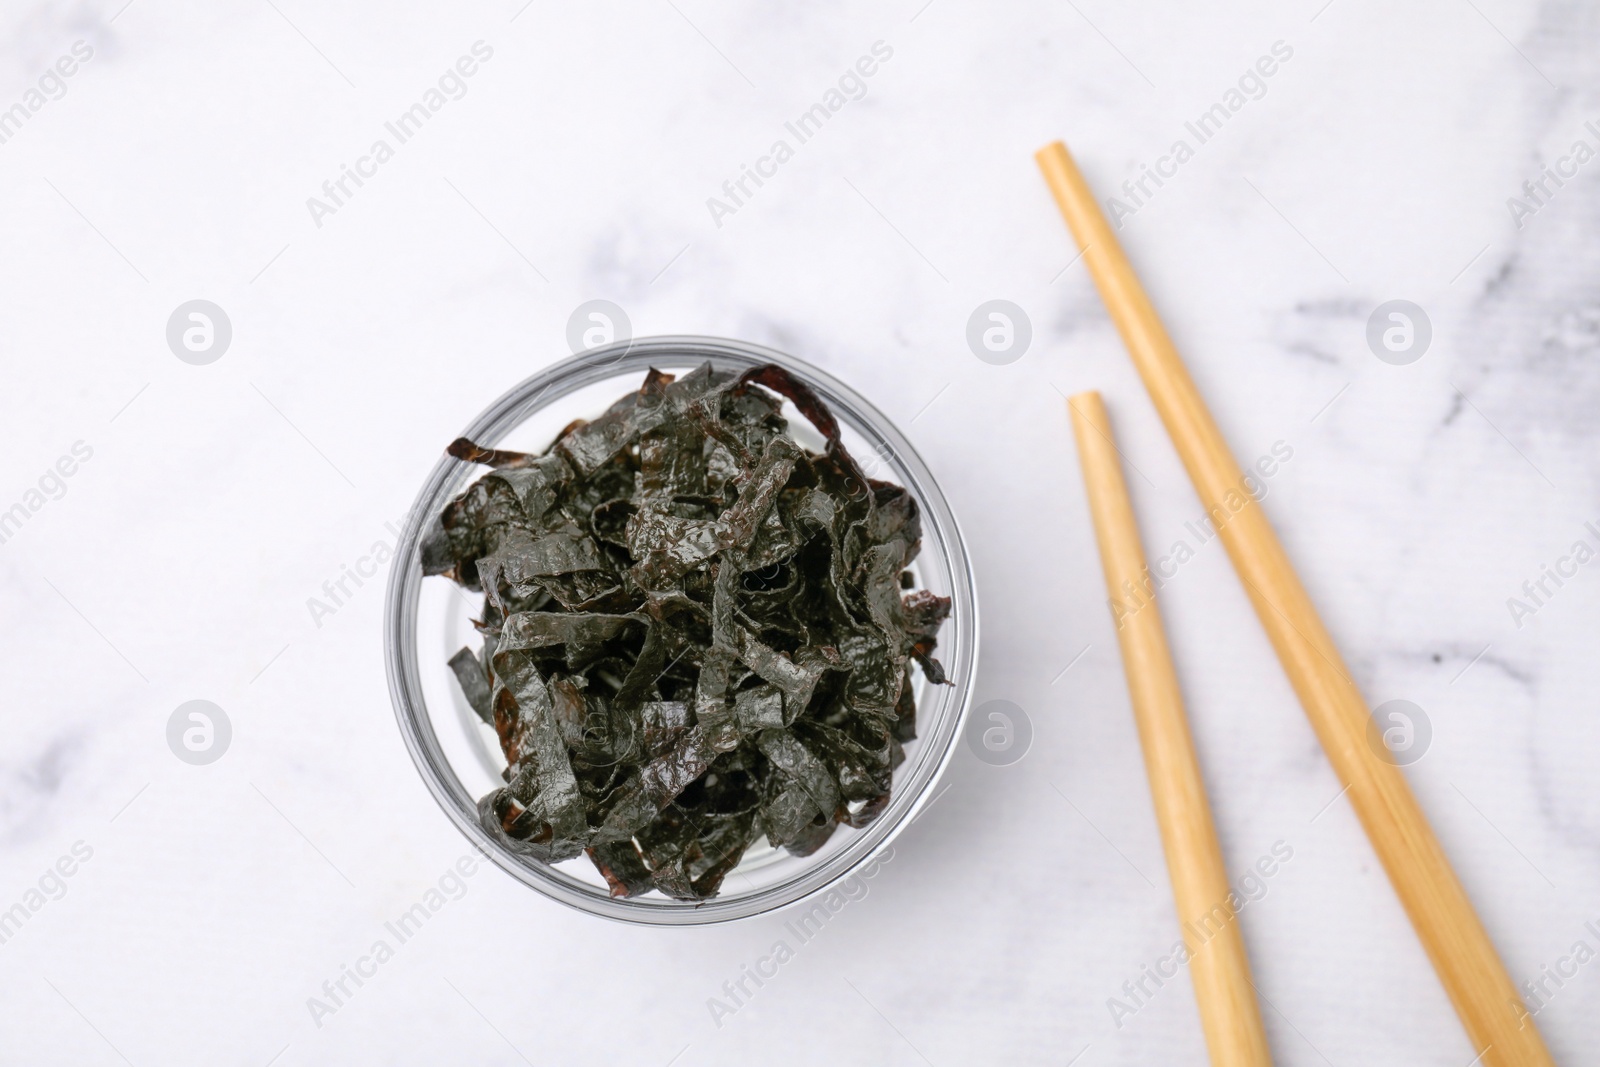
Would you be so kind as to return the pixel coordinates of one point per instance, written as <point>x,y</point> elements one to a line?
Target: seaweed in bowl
<point>697,632</point>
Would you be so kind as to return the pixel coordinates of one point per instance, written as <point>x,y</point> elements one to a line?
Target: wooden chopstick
<point>1501,1029</point>
<point>1218,965</point>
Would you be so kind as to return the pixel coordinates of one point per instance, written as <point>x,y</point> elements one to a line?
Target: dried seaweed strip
<point>474,682</point>
<point>862,815</point>
<point>718,846</point>
<point>736,527</point>
<point>813,837</point>
<point>662,723</point>
<point>537,485</point>
<point>787,811</point>
<point>794,676</point>
<point>880,586</point>
<point>664,845</point>
<point>714,709</point>
<point>925,613</point>
<point>581,637</point>
<point>759,709</point>
<point>668,546</point>
<point>465,450</point>
<point>673,771</point>
<point>904,729</point>
<point>590,445</point>
<point>792,758</point>
<point>525,718</point>
<point>623,868</point>
<point>696,632</point>
<point>861,771</point>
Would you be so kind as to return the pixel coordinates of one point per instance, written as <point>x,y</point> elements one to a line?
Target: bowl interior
<point>428,620</point>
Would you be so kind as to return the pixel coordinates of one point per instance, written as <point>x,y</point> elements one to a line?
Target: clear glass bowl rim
<point>911,793</point>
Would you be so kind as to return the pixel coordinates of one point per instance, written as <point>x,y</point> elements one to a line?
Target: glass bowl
<point>425,622</point>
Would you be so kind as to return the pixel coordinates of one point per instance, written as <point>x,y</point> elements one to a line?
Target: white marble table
<point>207,505</point>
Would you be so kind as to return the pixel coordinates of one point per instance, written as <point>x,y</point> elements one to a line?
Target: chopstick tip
<point>1056,147</point>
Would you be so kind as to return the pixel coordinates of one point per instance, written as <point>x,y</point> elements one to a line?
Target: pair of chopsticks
<point>1501,1030</point>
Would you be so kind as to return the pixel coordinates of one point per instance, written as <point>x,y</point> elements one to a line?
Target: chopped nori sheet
<point>695,631</point>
